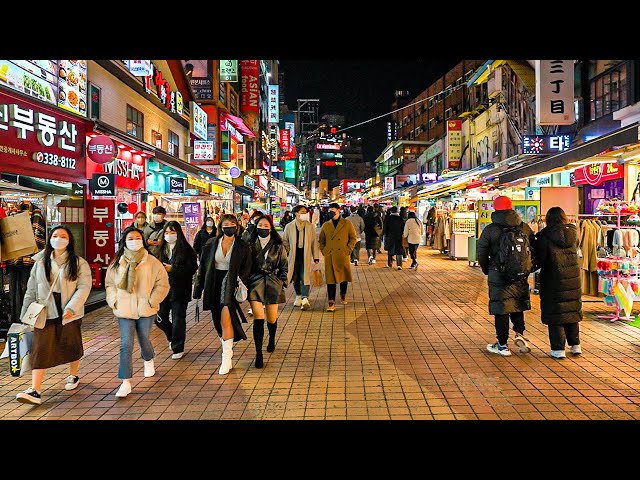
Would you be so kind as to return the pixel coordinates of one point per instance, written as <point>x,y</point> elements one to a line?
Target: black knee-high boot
<point>271,346</point>
<point>258,338</point>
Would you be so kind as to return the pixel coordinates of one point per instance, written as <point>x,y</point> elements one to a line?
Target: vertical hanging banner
<point>273,106</point>
<point>284,142</point>
<point>101,235</point>
<point>554,92</point>
<point>454,144</point>
<point>250,89</point>
<point>192,220</point>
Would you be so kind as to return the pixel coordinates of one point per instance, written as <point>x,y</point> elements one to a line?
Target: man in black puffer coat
<point>556,251</point>
<point>506,299</point>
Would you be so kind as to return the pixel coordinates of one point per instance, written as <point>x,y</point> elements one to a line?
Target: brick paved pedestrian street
<point>409,345</point>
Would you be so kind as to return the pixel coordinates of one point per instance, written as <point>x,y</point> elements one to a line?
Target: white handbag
<point>241,292</point>
<point>37,312</point>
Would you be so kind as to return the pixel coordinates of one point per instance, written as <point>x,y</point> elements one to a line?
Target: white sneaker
<point>72,382</point>
<point>576,349</point>
<point>177,356</point>
<point>373,261</point>
<point>124,390</point>
<point>370,260</point>
<point>399,268</point>
<point>149,368</point>
<point>250,312</point>
<point>305,304</point>
<point>499,349</point>
<point>522,344</point>
<point>29,396</point>
<point>558,354</point>
<point>298,301</point>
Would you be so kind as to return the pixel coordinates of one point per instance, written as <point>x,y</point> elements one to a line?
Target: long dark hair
<point>274,234</point>
<point>72,260</point>
<point>123,244</point>
<point>182,248</point>
<point>555,216</point>
<point>204,224</point>
<point>232,218</point>
<point>414,216</point>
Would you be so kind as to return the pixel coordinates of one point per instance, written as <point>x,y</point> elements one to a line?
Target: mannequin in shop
<point>153,232</point>
<point>19,268</point>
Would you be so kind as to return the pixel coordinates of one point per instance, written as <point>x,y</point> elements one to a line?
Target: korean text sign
<point>40,141</point>
<point>273,112</point>
<point>192,220</point>
<point>250,90</point>
<point>554,92</point>
<point>101,236</point>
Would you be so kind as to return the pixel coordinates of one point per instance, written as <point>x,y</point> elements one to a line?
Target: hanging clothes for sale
<point>588,243</point>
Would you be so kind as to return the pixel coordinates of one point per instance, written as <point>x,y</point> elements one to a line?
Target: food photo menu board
<point>58,82</point>
<point>72,86</point>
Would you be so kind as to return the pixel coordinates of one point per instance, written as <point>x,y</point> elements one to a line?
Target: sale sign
<point>597,173</point>
<point>192,220</point>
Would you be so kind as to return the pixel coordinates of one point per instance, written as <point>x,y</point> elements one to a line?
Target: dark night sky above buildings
<point>359,90</point>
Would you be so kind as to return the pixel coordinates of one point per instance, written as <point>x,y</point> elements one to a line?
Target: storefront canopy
<point>623,136</point>
<point>238,123</point>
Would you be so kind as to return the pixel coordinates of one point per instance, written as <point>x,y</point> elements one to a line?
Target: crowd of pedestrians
<point>156,273</point>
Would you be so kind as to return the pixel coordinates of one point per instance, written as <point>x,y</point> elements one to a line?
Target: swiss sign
<point>101,149</point>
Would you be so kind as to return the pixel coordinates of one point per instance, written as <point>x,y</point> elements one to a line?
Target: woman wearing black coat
<point>372,221</point>
<point>207,232</point>
<point>225,258</point>
<point>181,263</point>
<point>267,282</point>
<point>556,250</point>
<point>392,233</point>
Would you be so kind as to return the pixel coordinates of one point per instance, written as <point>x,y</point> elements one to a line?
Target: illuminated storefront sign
<point>598,173</point>
<point>328,146</point>
<point>545,144</point>
<point>171,100</point>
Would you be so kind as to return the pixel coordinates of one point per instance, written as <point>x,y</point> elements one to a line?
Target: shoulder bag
<point>241,291</point>
<point>37,312</point>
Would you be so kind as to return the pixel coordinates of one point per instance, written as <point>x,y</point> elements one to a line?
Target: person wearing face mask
<point>207,232</point>
<point>299,238</point>
<point>337,240</point>
<point>136,284</point>
<point>267,283</point>
<point>181,263</point>
<point>286,219</point>
<point>225,258</point>
<point>153,231</point>
<point>141,221</point>
<point>58,340</point>
<point>251,226</point>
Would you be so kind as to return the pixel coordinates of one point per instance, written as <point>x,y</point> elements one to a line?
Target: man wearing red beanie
<point>505,255</point>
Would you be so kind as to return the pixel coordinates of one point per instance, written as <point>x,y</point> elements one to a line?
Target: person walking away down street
<point>181,263</point>
<point>380,211</point>
<point>337,239</point>
<point>153,231</point>
<point>136,284</point>
<point>372,233</point>
<point>504,254</point>
<point>59,339</point>
<point>225,258</point>
<point>314,215</point>
<point>404,214</point>
<point>299,239</point>
<point>141,221</point>
<point>267,282</point>
<point>556,254</point>
<point>358,225</point>
<point>207,232</point>
<point>413,233</point>
<point>392,230</point>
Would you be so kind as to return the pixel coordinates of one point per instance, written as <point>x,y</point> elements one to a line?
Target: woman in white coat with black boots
<point>57,340</point>
<point>413,233</point>
<point>136,283</point>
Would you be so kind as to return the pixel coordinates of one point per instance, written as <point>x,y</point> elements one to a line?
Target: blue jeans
<point>355,253</point>
<point>127,328</point>
<point>298,281</point>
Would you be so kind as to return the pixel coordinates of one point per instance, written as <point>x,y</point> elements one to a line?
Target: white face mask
<point>134,245</point>
<point>141,221</point>
<point>157,218</point>
<point>59,243</point>
<point>171,237</point>
<point>303,217</point>
<point>209,224</point>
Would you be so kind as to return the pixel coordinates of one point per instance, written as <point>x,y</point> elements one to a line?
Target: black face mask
<point>229,231</point>
<point>336,213</point>
<point>263,232</point>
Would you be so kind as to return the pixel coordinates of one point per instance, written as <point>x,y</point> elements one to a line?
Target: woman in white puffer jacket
<point>413,233</point>
<point>136,284</point>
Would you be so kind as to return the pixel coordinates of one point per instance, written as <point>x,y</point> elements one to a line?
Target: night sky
<point>359,90</point>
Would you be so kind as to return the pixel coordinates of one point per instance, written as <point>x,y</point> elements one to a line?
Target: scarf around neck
<point>132,260</point>
<point>300,227</point>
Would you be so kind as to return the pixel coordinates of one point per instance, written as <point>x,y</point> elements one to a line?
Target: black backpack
<point>514,255</point>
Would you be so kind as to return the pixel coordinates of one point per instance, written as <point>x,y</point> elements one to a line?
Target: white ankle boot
<point>298,301</point>
<point>124,390</point>
<point>149,368</point>
<point>227,355</point>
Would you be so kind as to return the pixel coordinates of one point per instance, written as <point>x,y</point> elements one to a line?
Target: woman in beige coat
<point>299,238</point>
<point>337,239</point>
<point>413,233</point>
<point>136,283</point>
